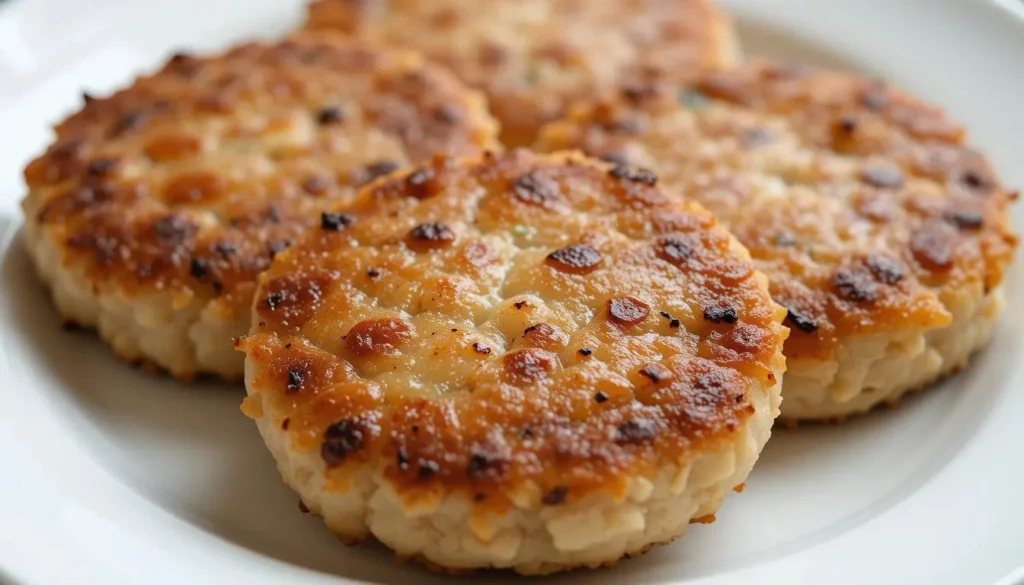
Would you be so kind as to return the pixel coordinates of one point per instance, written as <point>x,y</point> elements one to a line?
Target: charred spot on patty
<point>800,321</point>
<point>555,496</point>
<point>718,314</point>
<point>854,285</point>
<point>885,269</point>
<point>634,174</point>
<point>639,430</point>
<point>535,189</point>
<point>431,235</point>
<point>575,259</point>
<point>627,310</point>
<point>340,439</point>
<point>335,221</point>
<point>330,115</point>
<point>675,249</point>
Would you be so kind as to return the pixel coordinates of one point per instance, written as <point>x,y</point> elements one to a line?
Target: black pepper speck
<point>295,379</point>
<point>102,167</point>
<point>478,463</point>
<point>672,321</point>
<point>655,372</point>
<point>334,222</point>
<point>975,180</point>
<point>198,268</point>
<point>427,469</point>
<point>330,115</point>
<point>278,247</point>
<point>436,233</point>
<point>556,496</point>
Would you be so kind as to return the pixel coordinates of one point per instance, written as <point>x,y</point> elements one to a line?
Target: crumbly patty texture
<point>884,235</point>
<point>514,361</point>
<point>156,207</point>
<point>533,57</point>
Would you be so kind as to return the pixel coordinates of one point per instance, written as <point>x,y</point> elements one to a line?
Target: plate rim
<point>24,560</point>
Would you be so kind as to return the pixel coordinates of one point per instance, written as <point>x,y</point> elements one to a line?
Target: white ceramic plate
<point>109,475</point>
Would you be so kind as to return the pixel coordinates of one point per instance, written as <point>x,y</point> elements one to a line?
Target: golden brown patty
<point>156,207</point>
<point>533,57</point>
<point>534,362</point>
<point>884,235</point>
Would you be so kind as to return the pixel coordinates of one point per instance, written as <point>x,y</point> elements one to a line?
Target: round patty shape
<point>515,361</point>
<point>155,209</point>
<point>881,232</point>
<point>533,57</point>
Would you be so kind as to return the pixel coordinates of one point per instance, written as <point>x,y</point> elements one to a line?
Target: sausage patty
<point>883,234</point>
<point>515,361</point>
<point>533,57</point>
<point>156,207</point>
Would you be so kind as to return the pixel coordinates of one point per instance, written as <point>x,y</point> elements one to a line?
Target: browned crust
<point>190,180</point>
<point>864,205</point>
<point>526,411</point>
<point>533,57</point>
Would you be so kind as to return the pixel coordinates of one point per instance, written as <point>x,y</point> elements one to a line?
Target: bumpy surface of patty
<point>156,207</point>
<point>884,235</point>
<point>533,57</point>
<point>515,361</point>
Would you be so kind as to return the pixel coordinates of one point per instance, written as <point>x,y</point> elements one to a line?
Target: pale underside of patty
<point>514,361</point>
<point>535,57</point>
<point>156,208</point>
<point>883,234</point>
